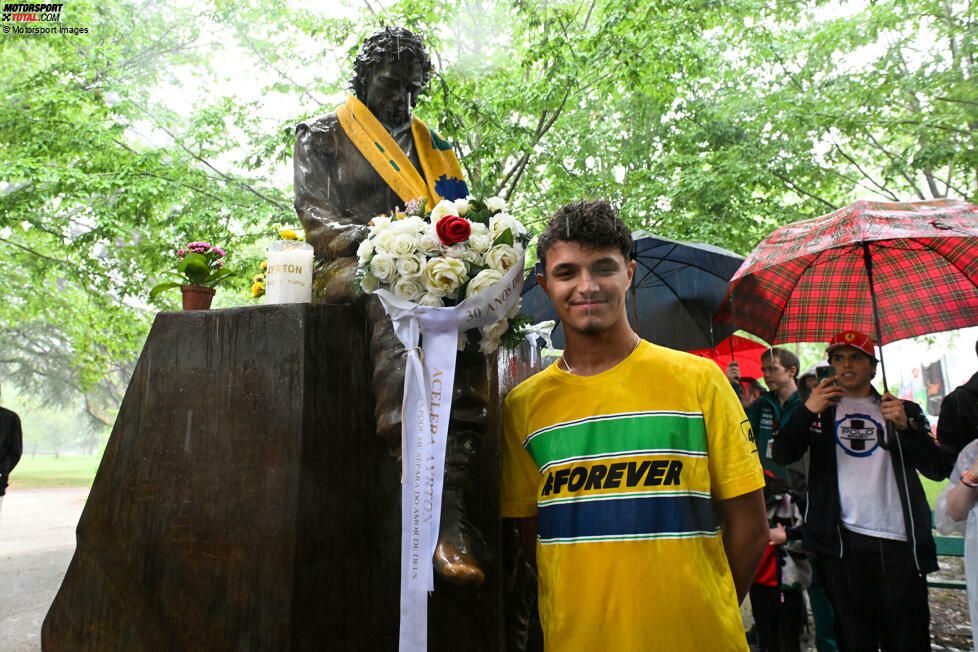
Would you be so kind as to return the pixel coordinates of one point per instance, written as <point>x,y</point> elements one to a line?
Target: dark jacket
<point>11,445</point>
<point>917,450</point>
<point>958,424</point>
<point>766,416</point>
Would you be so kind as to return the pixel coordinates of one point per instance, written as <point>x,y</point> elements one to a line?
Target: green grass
<point>932,488</point>
<point>47,471</point>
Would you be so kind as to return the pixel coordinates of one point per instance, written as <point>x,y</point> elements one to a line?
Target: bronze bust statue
<point>337,191</point>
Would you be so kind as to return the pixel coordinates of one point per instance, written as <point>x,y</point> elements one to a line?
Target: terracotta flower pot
<point>197,297</point>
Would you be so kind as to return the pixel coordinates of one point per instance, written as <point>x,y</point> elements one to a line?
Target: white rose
<point>496,204</point>
<point>502,257</point>
<point>500,222</point>
<point>402,244</point>
<point>382,241</point>
<point>488,346</point>
<point>479,242</point>
<point>462,206</point>
<point>380,224</point>
<point>496,329</point>
<point>410,225</point>
<point>364,250</point>
<point>441,209</point>
<point>463,340</point>
<point>410,266</point>
<point>382,266</point>
<point>475,258</point>
<point>429,244</point>
<point>455,251</point>
<point>409,289</point>
<point>369,283</point>
<point>432,300</point>
<point>482,282</point>
<point>442,276</point>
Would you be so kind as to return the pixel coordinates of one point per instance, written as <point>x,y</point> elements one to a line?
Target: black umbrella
<point>678,287</point>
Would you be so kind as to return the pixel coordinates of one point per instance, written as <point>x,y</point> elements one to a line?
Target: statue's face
<point>392,90</point>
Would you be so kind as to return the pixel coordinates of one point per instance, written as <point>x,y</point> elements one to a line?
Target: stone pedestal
<point>245,503</point>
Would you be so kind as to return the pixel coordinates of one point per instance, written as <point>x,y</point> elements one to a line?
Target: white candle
<point>288,278</point>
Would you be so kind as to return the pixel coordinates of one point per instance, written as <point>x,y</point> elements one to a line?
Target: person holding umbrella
<point>868,519</point>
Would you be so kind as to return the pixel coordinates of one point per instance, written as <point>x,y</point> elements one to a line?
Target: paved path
<point>37,540</point>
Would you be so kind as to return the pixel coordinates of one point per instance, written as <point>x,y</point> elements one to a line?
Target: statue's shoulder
<point>320,133</point>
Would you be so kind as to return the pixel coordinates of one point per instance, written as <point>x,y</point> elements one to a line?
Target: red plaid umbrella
<point>913,265</point>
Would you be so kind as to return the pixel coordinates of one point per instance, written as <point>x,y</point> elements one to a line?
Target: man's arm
<point>330,233</point>
<point>952,433</point>
<point>745,535</point>
<point>921,450</point>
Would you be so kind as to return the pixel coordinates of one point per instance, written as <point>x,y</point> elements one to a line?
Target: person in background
<point>11,446</point>
<point>808,380</point>
<point>750,391</point>
<point>958,422</point>
<point>867,520</point>
<point>958,501</point>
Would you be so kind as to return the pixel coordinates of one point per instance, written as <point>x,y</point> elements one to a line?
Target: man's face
<point>587,286</point>
<point>775,375</point>
<point>855,369</point>
<point>391,91</point>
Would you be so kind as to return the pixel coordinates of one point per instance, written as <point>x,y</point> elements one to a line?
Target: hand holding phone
<point>828,371</point>
<point>827,393</point>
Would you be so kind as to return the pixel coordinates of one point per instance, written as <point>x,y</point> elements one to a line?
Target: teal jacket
<point>766,416</point>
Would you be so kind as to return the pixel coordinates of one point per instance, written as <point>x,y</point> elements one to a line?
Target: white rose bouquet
<point>459,249</point>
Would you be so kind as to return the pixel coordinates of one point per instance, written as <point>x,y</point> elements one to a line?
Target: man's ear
<point>542,280</point>
<point>631,271</point>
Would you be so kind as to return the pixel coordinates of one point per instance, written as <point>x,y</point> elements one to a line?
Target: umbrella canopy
<point>677,289</point>
<point>746,353</point>
<point>913,264</point>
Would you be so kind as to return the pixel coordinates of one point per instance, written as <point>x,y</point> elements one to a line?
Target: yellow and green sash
<point>442,174</point>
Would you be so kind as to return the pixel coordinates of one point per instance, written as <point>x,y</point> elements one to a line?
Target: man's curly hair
<point>384,44</point>
<point>593,224</point>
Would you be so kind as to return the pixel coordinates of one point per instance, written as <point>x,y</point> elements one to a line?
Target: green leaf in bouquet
<point>473,270</point>
<point>480,215</point>
<point>506,238</point>
<point>194,267</point>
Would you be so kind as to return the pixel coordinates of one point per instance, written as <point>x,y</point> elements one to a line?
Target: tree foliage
<point>703,121</point>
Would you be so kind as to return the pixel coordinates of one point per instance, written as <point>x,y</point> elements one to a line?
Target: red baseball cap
<point>855,339</point>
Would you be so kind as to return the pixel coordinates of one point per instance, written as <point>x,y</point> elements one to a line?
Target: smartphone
<point>821,373</point>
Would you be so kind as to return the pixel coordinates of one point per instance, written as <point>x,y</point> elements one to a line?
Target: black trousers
<point>879,598</point>
<point>779,620</point>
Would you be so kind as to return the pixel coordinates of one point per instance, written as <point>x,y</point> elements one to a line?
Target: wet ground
<point>37,540</point>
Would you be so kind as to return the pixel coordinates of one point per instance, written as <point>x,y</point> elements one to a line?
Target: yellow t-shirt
<point>622,470</point>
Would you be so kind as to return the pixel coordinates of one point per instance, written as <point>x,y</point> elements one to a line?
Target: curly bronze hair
<point>384,44</point>
<point>592,223</point>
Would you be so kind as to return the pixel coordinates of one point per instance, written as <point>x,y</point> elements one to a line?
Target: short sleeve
<point>520,475</point>
<point>735,468</point>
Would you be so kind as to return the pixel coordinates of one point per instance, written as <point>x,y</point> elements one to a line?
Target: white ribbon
<point>534,332</point>
<point>428,384</point>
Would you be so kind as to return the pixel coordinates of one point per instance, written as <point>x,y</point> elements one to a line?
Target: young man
<point>868,519</point>
<point>632,467</point>
<point>774,408</point>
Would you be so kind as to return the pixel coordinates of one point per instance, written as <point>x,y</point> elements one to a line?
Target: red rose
<point>453,229</point>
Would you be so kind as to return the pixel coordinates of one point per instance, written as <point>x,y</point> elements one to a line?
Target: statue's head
<point>389,73</point>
